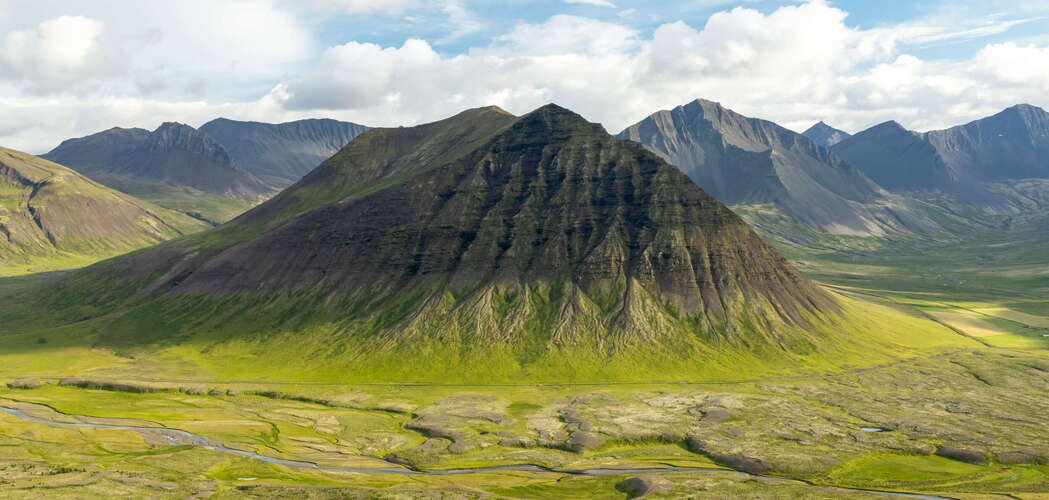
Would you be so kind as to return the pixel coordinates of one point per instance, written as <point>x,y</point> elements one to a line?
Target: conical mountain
<point>750,162</point>
<point>825,135</point>
<point>482,247</point>
<point>52,217</point>
<point>551,198</point>
<point>282,153</point>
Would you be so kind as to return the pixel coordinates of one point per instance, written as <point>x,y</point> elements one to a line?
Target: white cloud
<point>599,3</point>
<point>168,47</point>
<point>795,65</point>
<point>59,53</point>
<point>1016,65</point>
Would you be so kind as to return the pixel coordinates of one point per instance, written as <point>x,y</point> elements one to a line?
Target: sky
<point>71,68</point>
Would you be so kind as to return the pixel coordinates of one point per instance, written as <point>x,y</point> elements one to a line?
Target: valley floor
<point>969,424</point>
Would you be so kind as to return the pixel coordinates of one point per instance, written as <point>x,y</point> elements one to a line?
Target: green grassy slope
<point>52,218</point>
<point>993,268</point>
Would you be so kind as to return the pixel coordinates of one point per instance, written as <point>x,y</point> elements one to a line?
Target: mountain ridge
<point>748,161</point>
<point>282,153</point>
<point>978,163</point>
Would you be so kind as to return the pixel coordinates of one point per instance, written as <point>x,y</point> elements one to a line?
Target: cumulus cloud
<point>1016,65</point>
<point>59,53</point>
<point>169,47</point>
<point>795,65</point>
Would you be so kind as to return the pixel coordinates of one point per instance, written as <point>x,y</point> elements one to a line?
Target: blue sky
<point>71,68</point>
<point>494,17</point>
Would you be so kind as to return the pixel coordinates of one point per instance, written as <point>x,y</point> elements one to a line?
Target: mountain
<point>987,162</point>
<point>282,153</point>
<point>51,216</point>
<point>896,158</point>
<point>175,166</point>
<point>825,135</point>
<point>97,152</point>
<point>482,247</point>
<point>1013,144</point>
<point>747,162</point>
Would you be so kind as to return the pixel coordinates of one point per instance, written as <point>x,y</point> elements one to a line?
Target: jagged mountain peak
<point>1026,108</point>
<point>182,136</point>
<point>1022,115</point>
<point>825,135</point>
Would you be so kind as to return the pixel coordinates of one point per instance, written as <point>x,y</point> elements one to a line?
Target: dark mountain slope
<point>825,135</point>
<point>896,158</point>
<point>989,163</point>
<point>746,161</point>
<point>485,245</point>
<point>281,153</point>
<point>1013,144</point>
<point>48,211</point>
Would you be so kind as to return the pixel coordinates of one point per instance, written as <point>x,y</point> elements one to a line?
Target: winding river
<point>181,437</point>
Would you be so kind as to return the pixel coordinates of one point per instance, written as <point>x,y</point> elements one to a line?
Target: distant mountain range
<point>979,163</point>
<point>747,162</point>
<point>282,153</point>
<point>213,173</point>
<point>51,214</point>
<point>882,181</point>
